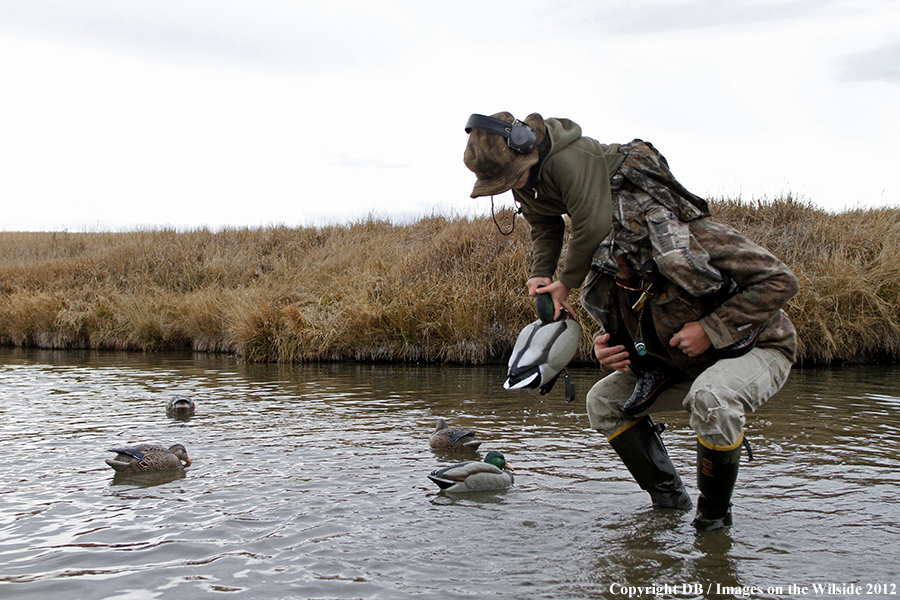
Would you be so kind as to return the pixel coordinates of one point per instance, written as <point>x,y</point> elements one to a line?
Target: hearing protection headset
<point>519,136</point>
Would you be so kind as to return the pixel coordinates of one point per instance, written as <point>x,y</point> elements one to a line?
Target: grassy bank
<point>438,290</point>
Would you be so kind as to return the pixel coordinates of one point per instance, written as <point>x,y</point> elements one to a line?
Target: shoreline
<point>439,290</point>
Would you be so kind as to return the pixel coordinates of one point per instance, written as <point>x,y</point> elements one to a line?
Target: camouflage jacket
<point>623,200</point>
<point>754,287</point>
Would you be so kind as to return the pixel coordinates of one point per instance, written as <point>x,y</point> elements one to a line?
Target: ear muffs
<point>519,136</point>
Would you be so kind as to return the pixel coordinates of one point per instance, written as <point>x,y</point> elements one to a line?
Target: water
<point>310,482</point>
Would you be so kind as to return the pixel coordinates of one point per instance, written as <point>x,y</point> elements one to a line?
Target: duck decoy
<point>148,457</point>
<point>452,439</point>
<point>182,405</point>
<point>474,476</point>
<point>542,352</point>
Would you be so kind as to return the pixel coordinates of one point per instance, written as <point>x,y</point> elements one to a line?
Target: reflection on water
<point>309,481</point>
<point>147,479</point>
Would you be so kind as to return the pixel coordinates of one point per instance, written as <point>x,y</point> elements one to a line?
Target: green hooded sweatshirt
<point>571,178</point>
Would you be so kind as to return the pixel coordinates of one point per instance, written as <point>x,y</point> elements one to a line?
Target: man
<point>690,310</point>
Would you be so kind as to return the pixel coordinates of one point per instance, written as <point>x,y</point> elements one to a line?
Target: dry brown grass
<point>438,290</point>
<point>848,264</point>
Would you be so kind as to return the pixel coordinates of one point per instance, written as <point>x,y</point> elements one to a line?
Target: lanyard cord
<point>494,217</point>
<point>630,289</point>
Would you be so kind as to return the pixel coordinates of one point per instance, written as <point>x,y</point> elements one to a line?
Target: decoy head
<point>181,452</point>
<point>180,404</point>
<point>497,459</point>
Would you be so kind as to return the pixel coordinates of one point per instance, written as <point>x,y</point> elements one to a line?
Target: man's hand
<point>537,282</point>
<point>692,339</point>
<point>612,357</point>
<point>557,290</point>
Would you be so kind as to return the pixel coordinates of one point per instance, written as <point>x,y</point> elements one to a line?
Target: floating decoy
<point>148,457</point>
<point>474,476</point>
<point>181,405</point>
<point>452,439</point>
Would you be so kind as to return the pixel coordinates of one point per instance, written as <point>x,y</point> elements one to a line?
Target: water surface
<point>309,481</point>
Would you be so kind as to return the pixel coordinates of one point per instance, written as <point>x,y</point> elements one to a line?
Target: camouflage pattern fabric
<point>651,211</point>
<point>695,264</point>
<point>649,170</point>
<point>766,284</point>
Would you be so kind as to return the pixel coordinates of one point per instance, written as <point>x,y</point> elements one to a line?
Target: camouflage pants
<point>717,399</point>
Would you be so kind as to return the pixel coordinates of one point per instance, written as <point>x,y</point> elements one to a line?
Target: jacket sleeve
<point>547,233</point>
<point>580,179</point>
<point>766,284</point>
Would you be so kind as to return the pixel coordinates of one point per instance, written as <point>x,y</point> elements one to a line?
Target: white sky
<point>119,114</point>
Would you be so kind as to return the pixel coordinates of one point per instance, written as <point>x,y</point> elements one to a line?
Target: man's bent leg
<point>720,396</point>
<point>717,401</point>
<point>636,441</point>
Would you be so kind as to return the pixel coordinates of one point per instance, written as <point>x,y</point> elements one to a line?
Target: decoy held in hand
<point>475,476</point>
<point>148,457</point>
<point>452,439</point>
<point>180,405</point>
<point>542,351</point>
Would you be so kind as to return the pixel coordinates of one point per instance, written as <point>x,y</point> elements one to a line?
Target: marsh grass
<point>437,290</point>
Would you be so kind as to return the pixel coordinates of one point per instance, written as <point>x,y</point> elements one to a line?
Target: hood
<point>562,133</point>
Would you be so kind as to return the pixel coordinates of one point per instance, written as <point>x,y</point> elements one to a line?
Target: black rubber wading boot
<point>650,384</point>
<point>653,377</point>
<point>641,448</point>
<point>717,472</point>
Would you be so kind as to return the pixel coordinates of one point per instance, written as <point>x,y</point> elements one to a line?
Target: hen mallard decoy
<point>181,405</point>
<point>474,476</point>
<point>452,439</point>
<point>148,457</point>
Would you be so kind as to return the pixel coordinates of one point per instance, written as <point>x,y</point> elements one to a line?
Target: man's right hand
<point>612,357</point>
<point>537,282</point>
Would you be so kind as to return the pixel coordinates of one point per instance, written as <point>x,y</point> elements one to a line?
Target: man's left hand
<point>692,339</point>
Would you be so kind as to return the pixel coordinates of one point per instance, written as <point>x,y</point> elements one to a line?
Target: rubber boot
<point>653,377</point>
<point>717,471</point>
<point>650,384</point>
<point>641,448</point>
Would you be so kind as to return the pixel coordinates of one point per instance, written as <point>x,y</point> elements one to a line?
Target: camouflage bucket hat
<point>495,164</point>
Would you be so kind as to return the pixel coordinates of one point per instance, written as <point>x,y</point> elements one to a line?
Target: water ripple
<point>309,481</point>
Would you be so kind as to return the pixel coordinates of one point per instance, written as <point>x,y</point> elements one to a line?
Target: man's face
<point>520,183</point>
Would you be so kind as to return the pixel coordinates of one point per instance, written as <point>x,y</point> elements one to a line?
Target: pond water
<point>309,481</point>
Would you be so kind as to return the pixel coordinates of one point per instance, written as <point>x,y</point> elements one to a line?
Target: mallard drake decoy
<point>452,439</point>
<point>181,405</point>
<point>148,457</point>
<point>474,476</point>
<point>542,352</point>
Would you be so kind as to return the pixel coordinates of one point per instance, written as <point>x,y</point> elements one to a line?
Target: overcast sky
<point>119,114</point>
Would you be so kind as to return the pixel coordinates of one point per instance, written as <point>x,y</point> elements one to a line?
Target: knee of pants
<point>605,401</point>
<point>715,419</point>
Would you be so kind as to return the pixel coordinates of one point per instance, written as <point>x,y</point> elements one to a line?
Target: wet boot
<point>641,448</point>
<point>653,377</point>
<point>717,471</point>
<point>650,384</point>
